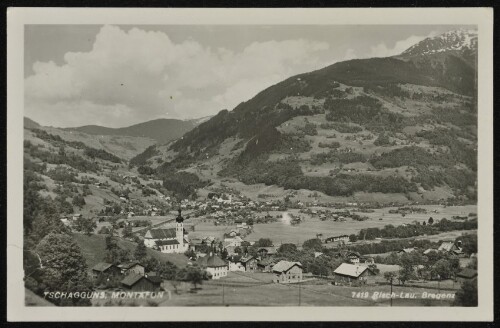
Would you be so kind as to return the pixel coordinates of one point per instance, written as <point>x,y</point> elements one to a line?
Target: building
<point>214,265</point>
<point>128,268</point>
<point>451,247</point>
<point>244,264</point>
<point>266,251</point>
<point>265,265</point>
<point>343,239</point>
<point>407,250</point>
<point>103,268</point>
<point>140,283</point>
<point>234,241</point>
<point>287,272</point>
<point>353,257</point>
<point>466,275</point>
<point>347,273</point>
<point>367,260</point>
<point>169,240</point>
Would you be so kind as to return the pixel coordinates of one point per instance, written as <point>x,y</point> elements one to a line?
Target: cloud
<point>381,49</point>
<point>134,76</point>
<point>350,54</point>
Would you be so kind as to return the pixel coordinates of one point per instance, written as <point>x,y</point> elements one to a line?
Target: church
<point>168,240</point>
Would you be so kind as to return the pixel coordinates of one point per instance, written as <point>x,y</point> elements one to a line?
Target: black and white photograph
<point>226,165</point>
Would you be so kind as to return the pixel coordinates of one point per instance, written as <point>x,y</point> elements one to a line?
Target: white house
<point>214,265</point>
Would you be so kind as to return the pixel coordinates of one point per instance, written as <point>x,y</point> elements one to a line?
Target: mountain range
<point>405,124</point>
<point>401,128</point>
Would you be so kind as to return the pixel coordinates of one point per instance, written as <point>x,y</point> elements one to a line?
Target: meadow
<point>281,232</point>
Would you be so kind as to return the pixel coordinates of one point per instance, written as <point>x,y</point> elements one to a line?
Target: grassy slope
<point>94,249</point>
<point>32,299</point>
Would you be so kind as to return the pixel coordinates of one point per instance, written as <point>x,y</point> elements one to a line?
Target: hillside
<point>30,124</point>
<point>161,130</point>
<point>401,125</point>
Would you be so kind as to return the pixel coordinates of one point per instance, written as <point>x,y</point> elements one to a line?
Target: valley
<point>366,163</point>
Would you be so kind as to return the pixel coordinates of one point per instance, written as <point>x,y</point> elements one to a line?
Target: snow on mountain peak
<point>456,40</point>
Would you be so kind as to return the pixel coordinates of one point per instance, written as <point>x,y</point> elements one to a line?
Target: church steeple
<point>179,218</point>
<point>179,229</point>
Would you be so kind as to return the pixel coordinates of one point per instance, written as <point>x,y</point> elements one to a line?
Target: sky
<point>120,75</point>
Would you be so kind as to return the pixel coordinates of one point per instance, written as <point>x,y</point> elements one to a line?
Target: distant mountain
<point>161,130</point>
<point>30,124</point>
<point>461,43</point>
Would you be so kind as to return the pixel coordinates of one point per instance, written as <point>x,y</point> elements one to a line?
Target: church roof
<point>166,242</point>
<point>163,233</point>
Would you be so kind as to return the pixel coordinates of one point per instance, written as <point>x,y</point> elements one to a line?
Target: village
<point>230,258</point>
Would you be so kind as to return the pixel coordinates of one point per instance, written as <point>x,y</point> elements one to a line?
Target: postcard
<point>194,164</point>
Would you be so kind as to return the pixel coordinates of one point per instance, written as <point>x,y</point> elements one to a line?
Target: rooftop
<point>284,266</point>
<point>350,270</point>
<point>102,266</point>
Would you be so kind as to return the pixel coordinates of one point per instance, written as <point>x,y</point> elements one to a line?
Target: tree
<point>85,225</point>
<point>313,244</point>
<point>264,242</point>
<point>194,275</point>
<point>127,231</point>
<point>191,254</point>
<point>78,201</point>
<point>406,272</point>
<point>140,251</point>
<point>287,248</point>
<point>442,268</point>
<point>431,220</point>
<point>63,267</point>
<point>467,294</point>
<point>390,276</point>
<point>224,254</point>
<point>353,238</point>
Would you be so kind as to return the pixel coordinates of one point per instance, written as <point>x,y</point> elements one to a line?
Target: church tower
<point>179,229</point>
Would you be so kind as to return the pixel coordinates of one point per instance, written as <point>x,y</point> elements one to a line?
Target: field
<point>257,289</point>
<point>281,232</point>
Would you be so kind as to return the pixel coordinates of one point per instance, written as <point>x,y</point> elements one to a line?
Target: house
<point>466,275</point>
<point>214,265</point>
<point>347,273</point>
<point>168,240</point>
<point>138,283</point>
<point>266,251</point>
<point>451,247</point>
<point>242,225</point>
<point>265,265</point>
<point>287,272</point>
<point>104,268</point>
<point>317,254</point>
<point>367,260</point>
<point>353,257</point>
<point>249,263</point>
<point>406,250</point>
<point>230,250</point>
<point>343,239</point>
<point>236,265</point>
<point>234,241</point>
<point>131,267</point>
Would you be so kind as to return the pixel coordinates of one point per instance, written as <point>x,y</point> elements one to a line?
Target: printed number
<point>359,294</point>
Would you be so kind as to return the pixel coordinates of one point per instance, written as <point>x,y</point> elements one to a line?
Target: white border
<point>18,17</point>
